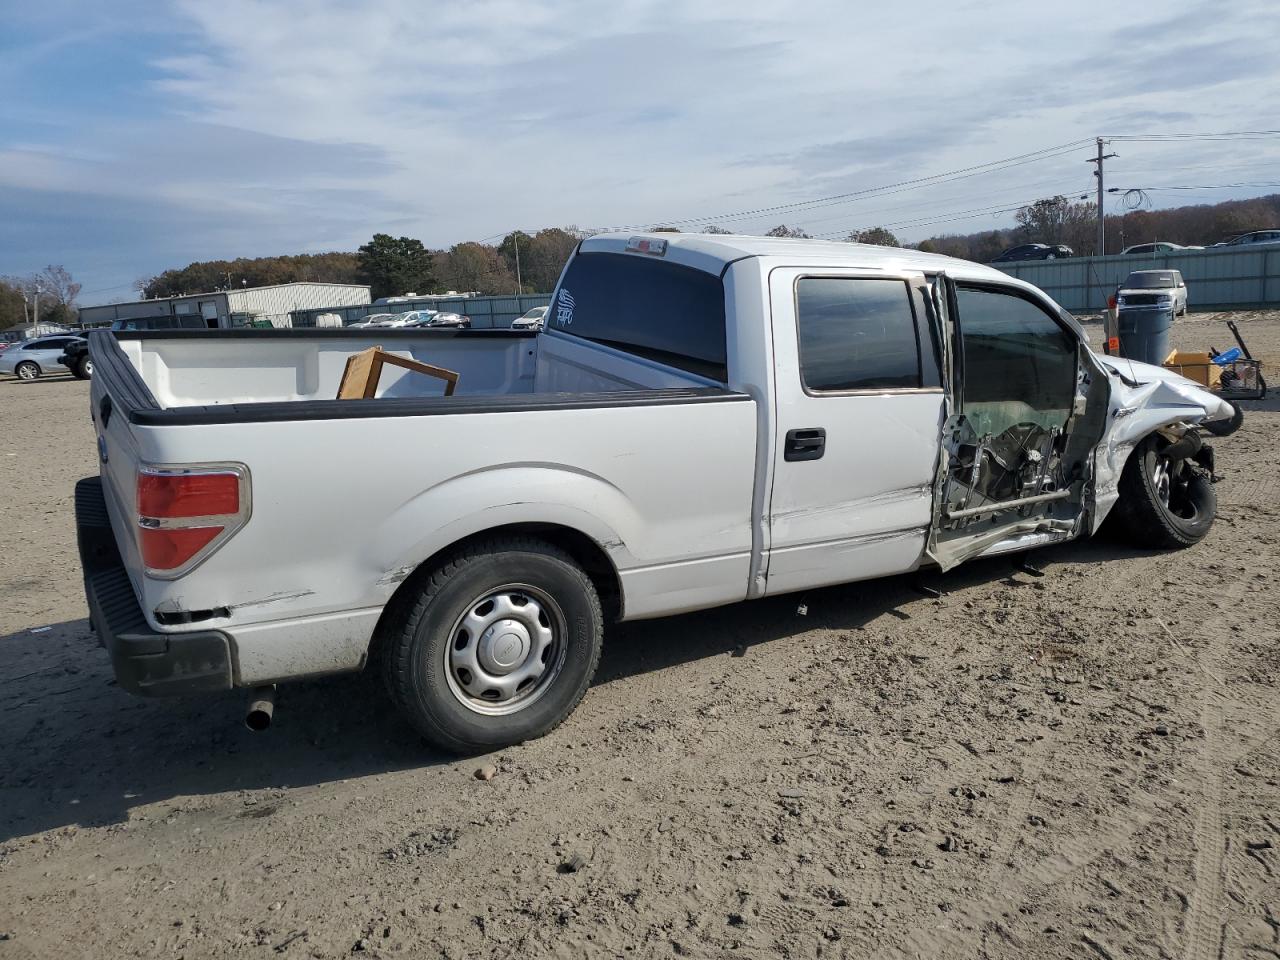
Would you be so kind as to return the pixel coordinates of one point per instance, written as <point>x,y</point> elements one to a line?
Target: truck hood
<point>1170,388</point>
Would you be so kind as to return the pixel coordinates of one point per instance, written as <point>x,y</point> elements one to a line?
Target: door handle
<point>806,443</point>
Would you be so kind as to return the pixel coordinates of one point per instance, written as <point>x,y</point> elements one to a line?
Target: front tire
<point>493,647</point>
<point>1164,504</point>
<point>27,370</point>
<point>83,369</point>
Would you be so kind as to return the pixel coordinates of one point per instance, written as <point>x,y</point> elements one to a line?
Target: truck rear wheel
<point>493,647</point>
<point>1164,503</point>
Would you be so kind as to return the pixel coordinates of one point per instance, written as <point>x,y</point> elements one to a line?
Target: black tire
<point>83,369</point>
<point>424,624</point>
<point>1142,513</point>
<point>32,368</point>
<point>1224,428</point>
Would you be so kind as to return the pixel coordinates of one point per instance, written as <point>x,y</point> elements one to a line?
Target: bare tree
<point>55,282</point>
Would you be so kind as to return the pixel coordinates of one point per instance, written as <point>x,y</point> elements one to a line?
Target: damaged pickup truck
<point>703,420</point>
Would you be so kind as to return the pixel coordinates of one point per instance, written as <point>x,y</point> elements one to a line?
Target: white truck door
<point>859,410</point>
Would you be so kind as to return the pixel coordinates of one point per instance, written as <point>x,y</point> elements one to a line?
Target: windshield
<point>1149,280</point>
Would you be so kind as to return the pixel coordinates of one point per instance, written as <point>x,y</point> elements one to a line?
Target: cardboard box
<point>1195,366</point>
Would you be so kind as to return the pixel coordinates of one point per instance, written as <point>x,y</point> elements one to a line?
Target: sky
<point>137,136</point>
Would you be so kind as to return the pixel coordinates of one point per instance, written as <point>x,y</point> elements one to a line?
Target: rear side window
<point>652,308</point>
<point>856,334</point>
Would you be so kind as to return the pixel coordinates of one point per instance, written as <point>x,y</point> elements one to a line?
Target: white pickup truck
<point>703,420</point>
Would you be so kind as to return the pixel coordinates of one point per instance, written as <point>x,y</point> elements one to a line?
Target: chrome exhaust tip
<point>262,705</point>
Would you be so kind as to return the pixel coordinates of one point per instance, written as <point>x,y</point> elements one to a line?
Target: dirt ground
<point>1082,764</point>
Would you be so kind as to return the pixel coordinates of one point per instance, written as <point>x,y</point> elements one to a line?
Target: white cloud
<point>320,122</point>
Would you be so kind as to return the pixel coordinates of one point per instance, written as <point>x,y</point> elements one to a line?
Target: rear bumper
<point>146,662</point>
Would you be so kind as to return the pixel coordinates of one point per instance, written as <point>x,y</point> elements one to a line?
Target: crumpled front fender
<point>1144,398</point>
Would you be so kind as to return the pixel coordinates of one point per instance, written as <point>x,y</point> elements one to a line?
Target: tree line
<point>1058,220</point>
<point>391,266</point>
<point>531,262</point>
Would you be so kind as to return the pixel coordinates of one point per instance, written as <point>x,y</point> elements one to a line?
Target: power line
<point>917,183</point>
<point>1228,135</point>
<point>864,218</point>
<point>952,217</point>
<point>863,214</point>
<point>118,286</point>
<point>1218,186</point>
<point>962,173</point>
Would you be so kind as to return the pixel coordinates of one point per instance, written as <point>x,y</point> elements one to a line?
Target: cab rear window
<point>652,308</point>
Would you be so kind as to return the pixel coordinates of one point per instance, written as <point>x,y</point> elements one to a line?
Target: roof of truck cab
<point>713,252</point>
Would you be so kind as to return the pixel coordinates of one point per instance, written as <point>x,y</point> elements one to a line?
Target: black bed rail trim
<point>297,410</point>
<point>129,393</point>
<point>372,334</point>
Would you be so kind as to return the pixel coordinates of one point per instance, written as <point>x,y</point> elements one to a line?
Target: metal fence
<point>485,312</point>
<point>1226,279</point>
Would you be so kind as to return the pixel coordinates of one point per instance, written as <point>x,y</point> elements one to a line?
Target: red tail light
<point>187,513</point>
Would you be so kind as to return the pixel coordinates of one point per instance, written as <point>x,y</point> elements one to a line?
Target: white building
<point>243,307</point>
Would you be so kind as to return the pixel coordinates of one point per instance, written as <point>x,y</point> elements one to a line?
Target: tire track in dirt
<point>1206,928</point>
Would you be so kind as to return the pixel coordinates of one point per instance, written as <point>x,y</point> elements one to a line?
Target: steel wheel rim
<point>1161,477</point>
<point>26,372</point>
<point>1172,491</point>
<point>505,650</point>
<point>88,367</point>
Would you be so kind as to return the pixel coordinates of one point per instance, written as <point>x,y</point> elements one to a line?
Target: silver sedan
<point>33,358</point>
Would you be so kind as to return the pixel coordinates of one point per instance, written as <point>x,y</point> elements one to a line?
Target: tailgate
<point>116,391</point>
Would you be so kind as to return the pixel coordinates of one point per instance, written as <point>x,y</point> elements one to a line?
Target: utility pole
<point>515,239</point>
<point>35,313</point>
<point>1102,217</point>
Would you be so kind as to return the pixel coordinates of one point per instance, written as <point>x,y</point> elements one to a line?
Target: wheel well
<point>584,550</point>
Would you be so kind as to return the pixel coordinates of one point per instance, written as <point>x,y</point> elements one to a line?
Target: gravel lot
<point>1082,764</point>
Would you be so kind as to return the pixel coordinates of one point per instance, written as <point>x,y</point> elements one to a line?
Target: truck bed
<point>656,466</point>
<point>204,369</point>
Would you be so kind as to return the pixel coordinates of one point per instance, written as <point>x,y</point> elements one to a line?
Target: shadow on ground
<point>76,749</point>
<point>45,379</point>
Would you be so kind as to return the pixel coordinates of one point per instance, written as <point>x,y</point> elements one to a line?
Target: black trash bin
<point>1144,333</point>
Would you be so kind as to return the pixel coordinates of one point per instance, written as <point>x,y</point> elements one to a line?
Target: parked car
<point>1160,246</point>
<point>417,318</point>
<point>704,420</point>
<point>1256,238</point>
<point>75,357</point>
<point>532,320</point>
<point>374,320</point>
<point>1153,288</point>
<point>34,358</point>
<point>1034,251</point>
<point>456,320</point>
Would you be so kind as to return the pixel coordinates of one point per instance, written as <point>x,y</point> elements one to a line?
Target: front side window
<point>652,308</point>
<point>856,334</point>
<point>1019,364</point>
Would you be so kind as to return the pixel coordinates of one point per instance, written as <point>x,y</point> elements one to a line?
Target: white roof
<point>713,251</point>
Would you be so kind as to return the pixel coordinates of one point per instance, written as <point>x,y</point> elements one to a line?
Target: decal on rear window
<point>564,308</point>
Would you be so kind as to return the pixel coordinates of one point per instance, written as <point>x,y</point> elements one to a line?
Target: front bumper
<point>145,662</point>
